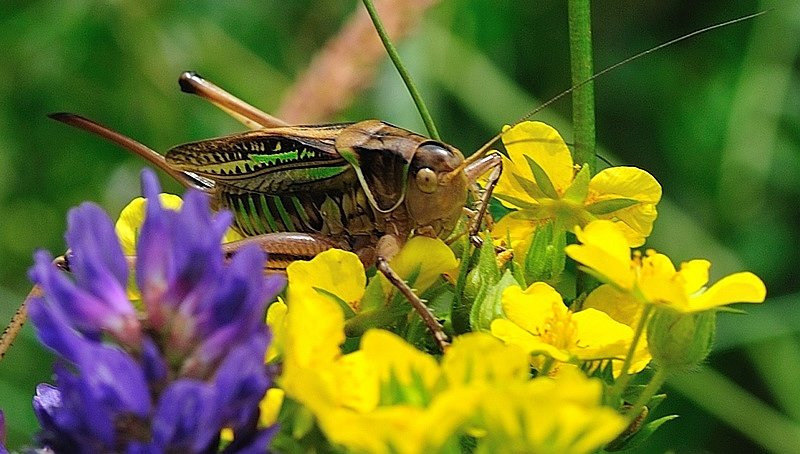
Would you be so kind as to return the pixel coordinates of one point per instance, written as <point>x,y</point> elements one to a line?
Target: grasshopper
<point>299,190</point>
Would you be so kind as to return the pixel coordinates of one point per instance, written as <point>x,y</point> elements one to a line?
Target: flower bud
<point>680,341</point>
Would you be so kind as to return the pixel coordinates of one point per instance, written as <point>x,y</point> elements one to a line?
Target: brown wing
<point>270,161</point>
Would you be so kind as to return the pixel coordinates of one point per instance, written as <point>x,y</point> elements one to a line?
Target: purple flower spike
<point>168,380</point>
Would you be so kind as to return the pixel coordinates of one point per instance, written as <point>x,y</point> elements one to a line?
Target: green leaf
<point>579,189</point>
<point>610,206</point>
<point>542,180</point>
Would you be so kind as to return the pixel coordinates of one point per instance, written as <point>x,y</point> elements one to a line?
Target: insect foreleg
<point>494,162</point>
<point>250,116</point>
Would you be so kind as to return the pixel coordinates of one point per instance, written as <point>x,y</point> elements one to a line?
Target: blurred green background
<point>715,119</point>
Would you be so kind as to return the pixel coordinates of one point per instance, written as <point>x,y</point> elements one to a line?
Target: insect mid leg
<point>419,306</point>
<point>250,116</point>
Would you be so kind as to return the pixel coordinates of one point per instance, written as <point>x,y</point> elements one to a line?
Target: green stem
<point>404,74</point>
<point>580,50</point>
<point>622,382</point>
<point>647,393</point>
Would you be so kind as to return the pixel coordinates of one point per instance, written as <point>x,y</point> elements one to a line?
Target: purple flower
<point>168,378</point>
<point>3,449</point>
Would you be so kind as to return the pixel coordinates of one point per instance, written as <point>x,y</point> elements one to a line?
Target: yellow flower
<point>333,272</point>
<point>539,322</point>
<point>339,275</point>
<point>561,415</point>
<point>541,182</point>
<point>653,279</point>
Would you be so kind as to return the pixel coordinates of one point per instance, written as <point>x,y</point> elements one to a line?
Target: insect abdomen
<point>334,213</point>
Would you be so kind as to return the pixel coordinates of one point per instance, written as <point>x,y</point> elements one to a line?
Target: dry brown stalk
<point>348,62</point>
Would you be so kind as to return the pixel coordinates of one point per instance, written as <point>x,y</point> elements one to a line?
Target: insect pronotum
<point>299,190</point>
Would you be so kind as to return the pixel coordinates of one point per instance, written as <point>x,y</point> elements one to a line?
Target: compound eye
<point>427,181</point>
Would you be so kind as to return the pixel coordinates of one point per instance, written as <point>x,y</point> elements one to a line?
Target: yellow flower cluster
<point>388,396</point>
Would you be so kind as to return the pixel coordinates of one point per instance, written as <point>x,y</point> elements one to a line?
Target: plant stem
<point>622,382</point>
<point>580,50</point>
<point>647,393</point>
<point>404,74</point>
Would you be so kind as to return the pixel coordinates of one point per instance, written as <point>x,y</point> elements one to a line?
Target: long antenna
<point>483,149</point>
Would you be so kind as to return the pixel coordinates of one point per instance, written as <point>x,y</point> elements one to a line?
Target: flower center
<point>559,330</point>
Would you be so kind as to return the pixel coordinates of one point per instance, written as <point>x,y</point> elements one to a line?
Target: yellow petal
<point>335,271</point>
<point>530,309</point>
<point>743,287</point>
<point>270,406</point>
<point>599,336</point>
<point>514,228</point>
<point>635,221</point>
<point>619,305</point>
<point>276,317</point>
<point>480,357</point>
<point>694,274</point>
<point>543,144</point>
<point>660,283</point>
<point>314,329</point>
<point>605,250</point>
<point>431,256</point>
<point>360,380</point>
<point>512,334</point>
<point>624,308</point>
<point>508,184</point>
<point>132,216</point>
<point>394,358</point>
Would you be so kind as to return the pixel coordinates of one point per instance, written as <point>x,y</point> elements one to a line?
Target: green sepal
<point>519,203</point>
<point>641,436</point>
<point>488,306</point>
<point>348,311</point>
<point>604,207</point>
<point>545,258</point>
<point>579,189</point>
<point>462,304</point>
<point>373,295</point>
<point>487,261</point>
<point>542,180</point>
<point>528,186</point>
